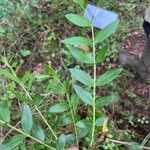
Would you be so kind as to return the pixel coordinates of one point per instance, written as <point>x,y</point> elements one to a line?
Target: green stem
<point>145,139</point>
<point>71,111</point>
<point>27,93</point>
<point>73,119</point>
<point>27,135</point>
<point>94,86</point>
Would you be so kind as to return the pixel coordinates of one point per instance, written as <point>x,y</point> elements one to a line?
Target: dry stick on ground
<point>100,140</point>
<point>128,144</point>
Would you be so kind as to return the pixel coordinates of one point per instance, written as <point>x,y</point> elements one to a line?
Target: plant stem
<point>73,119</point>
<point>145,139</point>
<point>94,85</point>
<point>27,93</point>
<point>71,111</point>
<point>27,135</point>
<point>50,128</point>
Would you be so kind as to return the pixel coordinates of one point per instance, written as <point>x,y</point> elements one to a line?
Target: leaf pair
<point>28,125</point>
<point>104,79</point>
<point>84,22</point>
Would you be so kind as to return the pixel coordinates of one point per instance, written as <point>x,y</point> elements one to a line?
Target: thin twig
<point>128,144</point>
<point>145,140</point>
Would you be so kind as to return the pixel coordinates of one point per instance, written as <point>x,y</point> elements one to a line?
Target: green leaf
<point>85,96</point>
<point>108,77</point>
<point>30,82</point>
<point>135,146</point>
<point>25,77</point>
<point>61,142</point>
<point>2,30</point>
<point>4,113</point>
<point>25,53</point>
<point>103,101</point>
<point>55,86</point>
<point>85,124</point>
<point>65,139</point>
<point>37,98</point>
<point>81,76</point>
<point>10,76</point>
<point>26,119</point>
<point>22,97</point>
<point>38,132</point>
<point>12,143</point>
<point>67,86</point>
<point>59,108</point>
<point>77,41</point>
<point>78,20</point>
<point>101,54</point>
<point>50,71</point>
<point>66,119</point>
<point>106,32</point>
<point>5,61</point>
<point>100,121</point>
<point>81,3</point>
<point>41,77</point>
<point>74,100</point>
<point>82,56</point>
<point>84,127</point>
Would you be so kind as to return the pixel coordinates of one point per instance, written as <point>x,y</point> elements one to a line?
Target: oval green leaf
<point>78,20</point>
<point>10,76</point>
<point>101,54</point>
<point>100,121</point>
<point>105,100</point>
<point>84,124</point>
<point>108,77</point>
<point>82,56</point>
<point>12,143</point>
<point>79,40</point>
<point>106,32</point>
<point>81,76</point>
<point>41,77</point>
<point>84,95</point>
<point>58,108</point>
<point>4,113</point>
<point>81,3</point>
<point>26,119</point>
<point>38,132</point>
<point>135,146</point>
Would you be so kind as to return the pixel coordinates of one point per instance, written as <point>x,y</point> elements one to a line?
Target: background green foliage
<point>30,33</point>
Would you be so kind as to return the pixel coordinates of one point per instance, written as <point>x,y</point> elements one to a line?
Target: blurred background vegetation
<point>31,32</point>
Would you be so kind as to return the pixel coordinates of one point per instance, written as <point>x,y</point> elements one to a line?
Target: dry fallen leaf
<point>38,68</point>
<point>83,47</point>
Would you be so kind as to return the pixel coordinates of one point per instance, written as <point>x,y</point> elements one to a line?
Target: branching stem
<point>27,135</point>
<point>28,95</point>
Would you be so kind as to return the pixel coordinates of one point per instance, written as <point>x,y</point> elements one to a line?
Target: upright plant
<point>87,90</point>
